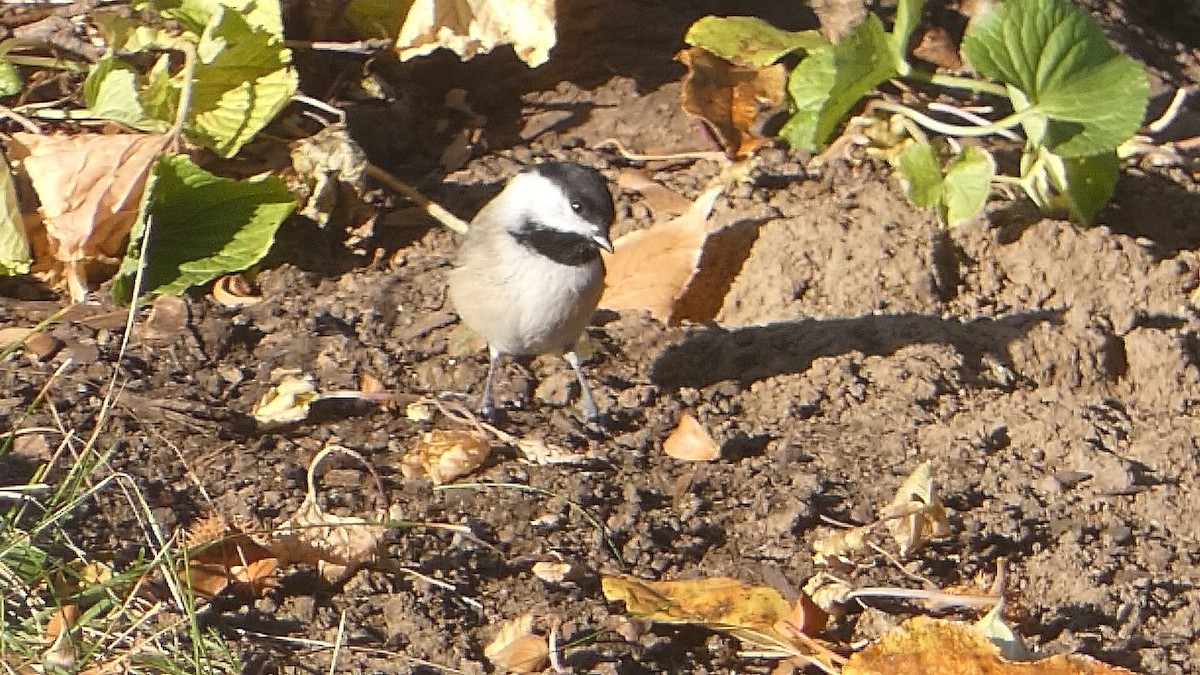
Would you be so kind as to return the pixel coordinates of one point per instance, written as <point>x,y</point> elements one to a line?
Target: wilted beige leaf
<point>472,27</point>
<point>517,649</point>
<point>444,455</point>
<point>916,515</point>
<point>927,645</point>
<point>650,269</point>
<point>221,556</point>
<point>691,442</point>
<point>90,187</point>
<point>287,402</point>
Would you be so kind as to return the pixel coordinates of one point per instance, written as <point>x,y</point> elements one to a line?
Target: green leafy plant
<point>1047,59</point>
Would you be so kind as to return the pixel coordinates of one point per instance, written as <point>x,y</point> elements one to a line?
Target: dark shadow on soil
<point>1155,208</point>
<point>749,354</point>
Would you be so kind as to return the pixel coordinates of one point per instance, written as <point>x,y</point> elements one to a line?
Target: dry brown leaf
<point>63,619</point>
<point>734,101</point>
<point>89,186</point>
<point>690,441</point>
<point>916,515</point>
<point>517,649</point>
<point>337,545</point>
<point>233,291</point>
<point>661,199</point>
<point>937,47</point>
<point>757,615</point>
<point>554,572</point>
<point>927,645</point>
<point>650,269</point>
<point>445,455</point>
<point>287,402</point>
<point>221,556</point>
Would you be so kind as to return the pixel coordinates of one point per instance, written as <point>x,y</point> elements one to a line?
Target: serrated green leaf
<point>1085,183</point>
<point>195,15</point>
<point>908,15</point>
<point>243,79</point>
<point>111,92</point>
<point>15,255</point>
<point>203,226</point>
<point>749,40</point>
<point>11,81</point>
<point>1059,57</point>
<point>831,81</point>
<point>160,97</point>
<point>959,193</point>
<point>967,184</point>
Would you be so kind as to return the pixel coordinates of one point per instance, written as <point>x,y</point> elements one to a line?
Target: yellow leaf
<point>719,602</point>
<point>937,646</point>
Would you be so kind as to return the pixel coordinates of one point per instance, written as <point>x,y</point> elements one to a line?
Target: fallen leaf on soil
<point>927,645</point>
<point>659,198</point>
<point>827,592</point>
<point>221,556</point>
<point>651,269</point>
<point>916,515</point>
<point>63,619</point>
<point>233,291</point>
<point>90,187</point>
<point>554,572</point>
<point>286,402</point>
<point>691,442</point>
<point>329,167</point>
<point>937,47</point>
<point>445,455</point>
<point>733,101</point>
<point>538,451</point>
<point>758,615</point>
<point>517,649</point>
<point>337,545</point>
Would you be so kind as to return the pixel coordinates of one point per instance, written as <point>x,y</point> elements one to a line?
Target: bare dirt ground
<point>1051,374</point>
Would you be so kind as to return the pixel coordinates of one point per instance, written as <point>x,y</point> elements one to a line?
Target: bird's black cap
<point>585,187</point>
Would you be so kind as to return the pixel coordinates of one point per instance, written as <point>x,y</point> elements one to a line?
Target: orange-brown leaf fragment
<point>734,101</point>
<point>651,269</point>
<point>221,556</point>
<point>927,645</point>
<point>691,442</point>
<point>517,649</point>
<point>719,602</point>
<point>89,186</point>
<point>445,455</point>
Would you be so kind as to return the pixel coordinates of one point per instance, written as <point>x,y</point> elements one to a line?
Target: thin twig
<point>1170,113</point>
<point>628,154</point>
<point>451,221</point>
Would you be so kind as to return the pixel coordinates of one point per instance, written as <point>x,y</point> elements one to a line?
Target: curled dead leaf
<point>287,402</point>
<point>691,442</point>
<point>734,101</point>
<point>222,556</point>
<point>89,187</point>
<point>233,291</point>
<point>446,455</point>
<point>337,545</point>
<point>916,515</point>
<point>517,649</point>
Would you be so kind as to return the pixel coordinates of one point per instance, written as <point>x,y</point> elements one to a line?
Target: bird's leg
<point>589,405</point>
<point>487,409</point>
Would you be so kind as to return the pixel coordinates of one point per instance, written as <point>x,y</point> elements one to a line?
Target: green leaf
<point>967,185</point>
<point>829,82</point>
<point>918,166</point>
<point>15,256</point>
<point>960,193</point>
<point>749,40</point>
<point>1091,98</point>
<point>908,15</point>
<point>1085,183</point>
<point>202,226</point>
<point>377,18</point>
<point>111,92</point>
<point>243,79</point>
<point>195,15</point>
<point>11,81</point>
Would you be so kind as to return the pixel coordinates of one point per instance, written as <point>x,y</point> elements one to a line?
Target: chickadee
<point>529,274</point>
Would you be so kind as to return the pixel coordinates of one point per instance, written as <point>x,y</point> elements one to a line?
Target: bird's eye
<point>576,207</point>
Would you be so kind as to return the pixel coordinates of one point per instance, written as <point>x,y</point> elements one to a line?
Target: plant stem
<point>953,129</point>
<point>956,82</point>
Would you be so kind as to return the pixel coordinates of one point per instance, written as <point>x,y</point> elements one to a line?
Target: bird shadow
<point>755,353</point>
